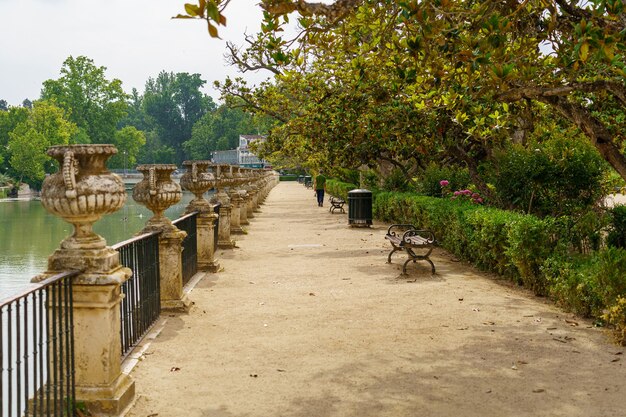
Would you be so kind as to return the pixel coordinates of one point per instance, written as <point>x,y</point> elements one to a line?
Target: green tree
<point>220,130</point>
<point>28,155</point>
<point>8,121</point>
<point>94,103</point>
<point>46,125</point>
<point>128,141</point>
<point>174,103</point>
<point>471,70</point>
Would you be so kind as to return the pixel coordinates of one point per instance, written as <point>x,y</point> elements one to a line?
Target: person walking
<point>320,187</point>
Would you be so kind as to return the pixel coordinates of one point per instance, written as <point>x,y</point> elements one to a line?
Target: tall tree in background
<point>174,104</point>
<point>9,120</point>
<point>45,126</point>
<point>94,103</point>
<point>220,130</point>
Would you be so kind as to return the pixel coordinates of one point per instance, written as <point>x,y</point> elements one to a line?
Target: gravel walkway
<point>307,319</point>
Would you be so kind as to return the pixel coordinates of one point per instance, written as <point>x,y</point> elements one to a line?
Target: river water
<point>29,234</point>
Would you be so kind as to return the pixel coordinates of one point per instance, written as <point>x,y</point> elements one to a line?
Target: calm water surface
<point>29,234</point>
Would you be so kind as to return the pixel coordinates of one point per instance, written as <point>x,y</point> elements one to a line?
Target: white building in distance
<point>242,155</point>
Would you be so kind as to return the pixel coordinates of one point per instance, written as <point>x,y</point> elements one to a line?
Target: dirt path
<point>307,319</point>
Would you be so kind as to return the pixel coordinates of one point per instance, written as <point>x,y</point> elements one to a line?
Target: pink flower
<point>444,183</point>
<point>479,200</point>
<point>457,193</point>
<point>475,195</point>
<point>466,192</point>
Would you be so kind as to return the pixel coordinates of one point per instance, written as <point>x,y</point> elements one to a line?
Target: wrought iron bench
<point>407,238</point>
<point>336,203</point>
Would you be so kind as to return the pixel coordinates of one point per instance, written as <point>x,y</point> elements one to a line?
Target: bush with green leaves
<point>340,189</point>
<point>617,227</point>
<point>560,176</point>
<point>429,180</point>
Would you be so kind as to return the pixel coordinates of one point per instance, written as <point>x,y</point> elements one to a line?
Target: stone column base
<point>176,306</point>
<point>237,230</point>
<point>211,266</point>
<point>226,244</point>
<point>110,401</point>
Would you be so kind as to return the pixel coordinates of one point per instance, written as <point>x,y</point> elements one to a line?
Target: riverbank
<point>306,319</point>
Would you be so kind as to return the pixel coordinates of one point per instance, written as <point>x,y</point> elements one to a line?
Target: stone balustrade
<point>81,193</point>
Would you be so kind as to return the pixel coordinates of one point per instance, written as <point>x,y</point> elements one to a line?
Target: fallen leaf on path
<point>252,282</point>
<point>551,328</point>
<point>618,353</point>
<point>559,340</point>
<point>489,323</point>
<point>281,370</point>
<point>476,309</point>
<point>514,367</point>
<point>538,319</point>
<point>522,363</point>
<point>571,322</point>
<point>312,293</point>
<point>529,315</point>
<point>615,360</point>
<point>253,376</point>
<point>174,369</point>
<point>462,328</point>
<point>460,299</point>
<point>538,390</point>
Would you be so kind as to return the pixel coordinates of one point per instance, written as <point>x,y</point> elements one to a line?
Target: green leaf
<point>584,51</point>
<point>212,11</point>
<point>192,9</point>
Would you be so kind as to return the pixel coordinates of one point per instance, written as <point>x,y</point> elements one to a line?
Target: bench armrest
<point>426,234</point>
<point>401,229</point>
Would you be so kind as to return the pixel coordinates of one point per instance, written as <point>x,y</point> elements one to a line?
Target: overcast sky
<point>133,39</point>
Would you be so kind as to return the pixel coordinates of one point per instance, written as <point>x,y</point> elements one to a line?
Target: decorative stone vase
<point>198,180</point>
<point>157,191</point>
<point>82,191</point>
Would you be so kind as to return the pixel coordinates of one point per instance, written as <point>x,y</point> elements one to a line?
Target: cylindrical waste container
<point>216,210</point>
<point>360,207</point>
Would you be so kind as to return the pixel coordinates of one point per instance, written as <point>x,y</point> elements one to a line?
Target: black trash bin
<point>360,207</point>
<point>216,210</point>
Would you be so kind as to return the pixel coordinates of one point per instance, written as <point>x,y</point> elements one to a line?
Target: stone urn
<point>198,180</point>
<point>82,191</point>
<point>157,191</point>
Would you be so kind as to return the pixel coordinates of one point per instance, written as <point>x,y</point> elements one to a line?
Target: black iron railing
<point>37,350</point>
<point>190,245</point>
<point>141,305</point>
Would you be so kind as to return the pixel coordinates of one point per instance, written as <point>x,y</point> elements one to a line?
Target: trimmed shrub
<point>339,189</point>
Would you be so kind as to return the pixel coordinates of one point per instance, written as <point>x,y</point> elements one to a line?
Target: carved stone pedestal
<point>157,191</point>
<point>82,192</point>
<point>199,181</point>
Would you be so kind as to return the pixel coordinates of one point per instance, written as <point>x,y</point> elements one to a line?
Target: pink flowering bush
<point>463,194</point>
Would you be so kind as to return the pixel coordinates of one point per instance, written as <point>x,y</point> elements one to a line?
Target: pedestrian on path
<point>320,187</point>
